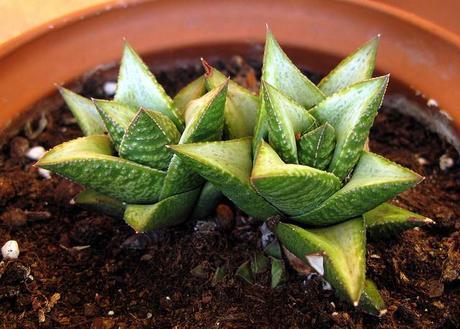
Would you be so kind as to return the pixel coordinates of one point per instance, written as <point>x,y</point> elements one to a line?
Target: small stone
<point>36,153</point>
<point>10,250</point>
<point>18,147</point>
<point>432,102</point>
<point>422,161</point>
<point>46,174</point>
<point>111,313</point>
<point>110,87</point>
<point>445,162</point>
<point>225,218</point>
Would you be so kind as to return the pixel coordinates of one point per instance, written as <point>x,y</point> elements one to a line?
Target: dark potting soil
<point>80,269</point>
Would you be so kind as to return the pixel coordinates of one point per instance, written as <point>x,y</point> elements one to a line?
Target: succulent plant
<point>307,165</point>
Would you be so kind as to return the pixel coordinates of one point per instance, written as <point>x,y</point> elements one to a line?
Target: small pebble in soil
<point>111,313</point>
<point>46,174</point>
<point>326,285</point>
<point>422,161</point>
<point>36,152</point>
<point>10,250</point>
<point>225,218</point>
<point>445,162</point>
<point>110,87</point>
<point>432,102</point>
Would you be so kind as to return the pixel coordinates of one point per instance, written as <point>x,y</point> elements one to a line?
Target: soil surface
<point>80,269</point>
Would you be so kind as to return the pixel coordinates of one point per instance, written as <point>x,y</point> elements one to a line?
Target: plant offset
<point>296,154</point>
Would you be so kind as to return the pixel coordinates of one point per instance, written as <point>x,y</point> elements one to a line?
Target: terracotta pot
<point>415,51</point>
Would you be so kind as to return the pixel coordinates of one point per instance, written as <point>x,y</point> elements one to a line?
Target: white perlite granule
<point>10,250</point>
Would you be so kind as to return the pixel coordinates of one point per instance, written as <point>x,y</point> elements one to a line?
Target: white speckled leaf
<point>138,87</point>
<point>374,181</point>
<point>316,147</point>
<point>84,111</point>
<point>343,248</point>
<point>261,128</point>
<point>193,90</point>
<point>294,189</point>
<point>351,112</point>
<point>356,67</point>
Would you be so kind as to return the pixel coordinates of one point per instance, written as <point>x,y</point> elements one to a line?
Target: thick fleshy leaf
<point>280,72</point>
<point>278,272</point>
<point>294,189</point>
<point>193,90</point>
<point>167,212</point>
<point>286,119</point>
<point>356,67</point>
<point>204,119</point>
<point>351,112</point>
<point>241,106</point>
<point>316,147</point>
<point>371,302</point>
<point>387,220</point>
<point>84,111</point>
<point>116,117</point>
<point>261,128</point>
<point>102,203</point>
<point>339,250</point>
<point>374,181</point>
<point>145,139</point>
<point>245,273</point>
<point>273,249</point>
<point>227,165</point>
<point>138,87</point>
<point>87,160</point>
<point>207,202</point>
<point>259,263</point>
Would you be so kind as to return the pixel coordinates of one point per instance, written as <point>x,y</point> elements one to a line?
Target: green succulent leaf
<point>371,302</point>
<point>339,250</point>
<point>280,72</point>
<point>84,111</point>
<point>193,90</point>
<point>138,87</point>
<point>219,275</point>
<point>374,181</point>
<point>227,165</point>
<point>294,189</point>
<point>387,220</point>
<point>101,203</point>
<point>273,249</point>
<point>261,128</point>
<point>278,272</point>
<point>241,106</point>
<point>207,202</point>
<point>167,212</point>
<point>87,160</point>
<point>116,117</point>
<point>285,119</point>
<point>145,139</point>
<point>204,119</point>
<point>316,147</point>
<point>245,273</point>
<point>351,112</point>
<point>356,67</point>
<point>259,263</point>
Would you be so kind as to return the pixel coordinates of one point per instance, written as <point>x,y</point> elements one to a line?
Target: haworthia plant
<point>295,152</point>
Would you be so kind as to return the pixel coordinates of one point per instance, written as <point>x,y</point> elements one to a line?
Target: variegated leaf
<point>204,119</point>
<point>241,106</point>
<point>145,139</point>
<point>167,212</point>
<point>84,111</point>
<point>261,128</point>
<point>339,251</point>
<point>87,161</point>
<point>351,112</point>
<point>193,90</point>
<point>371,302</point>
<point>356,67</point>
<point>99,202</point>
<point>138,87</point>
<point>227,165</point>
<point>207,202</point>
<point>280,72</point>
<point>374,181</point>
<point>316,147</point>
<point>387,220</point>
<point>294,189</point>
<point>285,119</point>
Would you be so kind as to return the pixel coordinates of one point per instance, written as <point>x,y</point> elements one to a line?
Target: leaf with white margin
<point>374,181</point>
<point>204,119</point>
<point>342,247</point>
<point>87,161</point>
<point>241,107</point>
<point>351,112</point>
<point>138,87</point>
<point>280,72</point>
<point>261,128</point>
<point>387,220</point>
<point>84,111</point>
<point>316,147</point>
<point>293,189</point>
<point>207,202</point>
<point>371,302</point>
<point>99,202</point>
<point>285,119</point>
<point>356,67</point>
<point>227,165</point>
<point>145,139</point>
<point>193,90</point>
<point>116,117</point>
<point>167,212</point>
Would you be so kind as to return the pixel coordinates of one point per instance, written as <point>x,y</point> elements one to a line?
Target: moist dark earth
<point>80,269</point>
